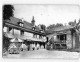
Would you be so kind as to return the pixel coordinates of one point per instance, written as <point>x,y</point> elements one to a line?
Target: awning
<point>12,46</point>
<point>9,35</point>
<point>16,40</point>
<point>32,39</point>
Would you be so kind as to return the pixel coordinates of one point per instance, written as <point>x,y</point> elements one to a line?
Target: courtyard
<point>43,53</point>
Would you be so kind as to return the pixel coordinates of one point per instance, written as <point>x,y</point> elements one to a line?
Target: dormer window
<point>41,31</point>
<point>20,24</point>
<point>33,28</point>
<point>34,36</point>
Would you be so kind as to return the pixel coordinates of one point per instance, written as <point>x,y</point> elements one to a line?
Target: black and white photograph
<point>40,31</point>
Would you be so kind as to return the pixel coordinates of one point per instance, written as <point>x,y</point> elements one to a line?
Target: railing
<point>60,41</point>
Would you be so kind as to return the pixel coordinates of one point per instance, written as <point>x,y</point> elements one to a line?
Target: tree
<point>51,26</point>
<point>54,26</point>
<point>72,23</point>
<point>43,27</point>
<point>7,11</point>
<point>6,42</point>
<point>58,25</point>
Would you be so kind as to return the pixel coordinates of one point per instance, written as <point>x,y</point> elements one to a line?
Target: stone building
<point>64,37</point>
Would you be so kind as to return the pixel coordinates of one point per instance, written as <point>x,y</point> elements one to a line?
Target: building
<point>64,37</point>
<point>29,32</point>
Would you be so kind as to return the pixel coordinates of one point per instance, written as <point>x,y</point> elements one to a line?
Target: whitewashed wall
<point>28,34</point>
<point>5,29</point>
<point>16,31</point>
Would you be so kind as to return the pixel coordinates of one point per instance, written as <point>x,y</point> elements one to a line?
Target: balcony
<point>10,35</point>
<point>60,41</point>
<point>32,38</point>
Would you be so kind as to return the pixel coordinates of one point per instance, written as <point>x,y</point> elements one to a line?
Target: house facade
<point>29,32</point>
<point>64,37</point>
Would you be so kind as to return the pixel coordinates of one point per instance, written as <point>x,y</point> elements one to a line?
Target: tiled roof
<point>14,20</point>
<point>58,29</point>
<point>27,25</point>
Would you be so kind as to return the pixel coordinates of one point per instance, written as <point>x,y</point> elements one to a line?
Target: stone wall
<point>69,41</point>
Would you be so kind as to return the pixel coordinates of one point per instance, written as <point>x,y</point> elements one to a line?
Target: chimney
<point>33,21</point>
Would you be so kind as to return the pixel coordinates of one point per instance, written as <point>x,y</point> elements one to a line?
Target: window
<point>37,36</point>
<point>42,31</point>
<point>33,28</point>
<point>22,32</point>
<point>20,24</point>
<point>34,35</point>
<point>61,38</point>
<point>47,39</point>
<point>10,28</point>
<point>40,36</point>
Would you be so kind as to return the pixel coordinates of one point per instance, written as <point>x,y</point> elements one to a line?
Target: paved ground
<point>42,53</point>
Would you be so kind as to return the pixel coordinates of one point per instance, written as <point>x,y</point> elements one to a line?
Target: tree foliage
<point>54,25</point>
<point>72,23</point>
<point>43,27</point>
<point>6,42</point>
<point>7,11</point>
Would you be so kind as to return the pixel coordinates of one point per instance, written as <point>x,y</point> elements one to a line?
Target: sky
<point>47,14</point>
